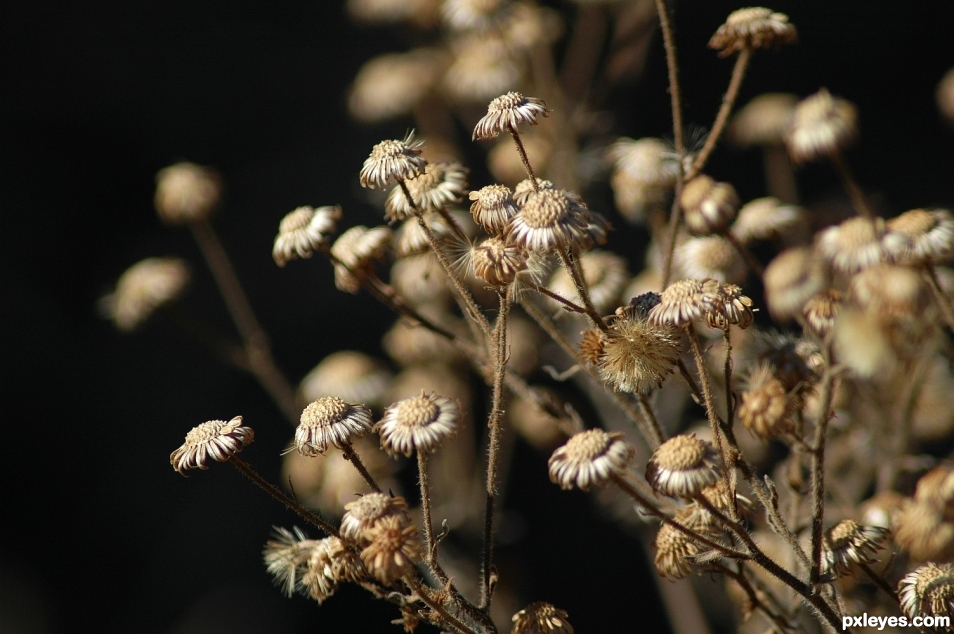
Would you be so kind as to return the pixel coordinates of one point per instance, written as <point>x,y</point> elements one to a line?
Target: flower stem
<point>352,456</point>
<point>572,266</point>
<point>523,156</point>
<point>818,467</point>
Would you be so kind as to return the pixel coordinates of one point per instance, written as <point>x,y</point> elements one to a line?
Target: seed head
<point>390,85</point>
<point>393,161</point>
<point>766,408</point>
<point>523,190</point>
<point>673,552</point>
<point>637,355</point>
<point>330,421</point>
<point>555,219</point>
<point>303,231</point>
<point>497,262</point>
<point>820,311</point>
<point>507,112</point>
<point>791,279</point>
<point>439,185</point>
<point>366,511</point>
<point>355,251</point>
<point>848,543</point>
<point>768,219</point>
<point>286,557</point>
<point>493,208</point>
<point>421,423</point>
<point>710,257</point>
<point>923,532</point>
<point>483,67</point>
<point>214,439</point>
<point>709,206</point>
<point>752,27</point>
<point>822,126</point>
<point>682,466</point>
<point>186,192</point>
<point>541,618</point>
<point>143,288</point>
<point>605,275</point>
<point>930,235</point>
<point>393,548</point>
<point>685,301</point>
<point>928,591</point>
<point>589,458</point>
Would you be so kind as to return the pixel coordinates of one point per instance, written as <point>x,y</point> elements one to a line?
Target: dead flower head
<point>709,206</point>
<point>507,112</point>
<point>928,591</point>
<point>589,459</point>
<point>355,252</point>
<point>352,376</point>
<point>393,547</point>
<point>422,423</point>
<point>710,257</point>
<point>674,550</point>
<point>363,513</point>
<point>216,439</point>
<point>752,27</point>
<point>554,219</point>
<point>822,126</point>
<point>682,466</point>
<point>393,161</point>
<point>186,192</point>
<point>541,618</point>
<point>497,262</point>
<point>848,543</point>
<point>330,421</point>
<point>930,235</point>
<point>764,120</point>
<point>685,301</point>
<point>493,208</point>
<point>144,287</point>
<point>792,278</point>
<point>439,185</point>
<point>303,231</point>
<point>636,356</point>
<point>767,408</point>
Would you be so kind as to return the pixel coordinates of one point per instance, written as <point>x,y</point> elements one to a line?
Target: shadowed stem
<point>739,577</point>
<point>352,456</point>
<point>249,472</point>
<point>858,199</point>
<point>879,581</point>
<point>937,293</point>
<point>750,260</point>
<point>714,422</point>
<point>256,341</point>
<point>573,267</point>
<point>818,466</point>
<point>738,73</point>
<point>523,156</point>
<point>445,616</point>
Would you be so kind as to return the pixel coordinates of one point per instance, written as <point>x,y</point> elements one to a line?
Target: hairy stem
<point>818,467</point>
<point>523,156</point>
<point>445,617</point>
<point>352,456</point>
<point>573,267</point>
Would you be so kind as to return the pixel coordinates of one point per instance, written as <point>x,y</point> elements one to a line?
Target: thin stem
<point>858,199</point>
<point>430,547</point>
<point>818,467</point>
<point>937,293</point>
<point>675,217</point>
<point>256,341</point>
<point>572,266</point>
<point>738,73</point>
<point>714,422</point>
<point>456,228</point>
<point>248,471</point>
<point>750,260</point>
<point>727,375</point>
<point>446,616</point>
<point>523,156</point>
<point>879,581</point>
<point>573,308</point>
<point>352,456</point>
<point>739,577</point>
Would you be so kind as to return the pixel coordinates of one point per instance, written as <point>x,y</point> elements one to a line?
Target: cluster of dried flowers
<point>850,381</point>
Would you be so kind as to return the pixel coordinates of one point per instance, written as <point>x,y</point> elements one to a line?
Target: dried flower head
<point>524,189</point>
<point>862,344</point>
<point>330,421</point>
<point>366,511</point>
<point>589,459</point>
<point>648,160</point>
<point>735,310</point>
<point>423,13</point>
<point>769,219</point>
<point>752,27</point>
<point>355,251</point>
<point>410,239</point>
<point>636,356</point>
<point>541,618</point>
<point>390,85</point>
<point>858,243</point>
<point>792,278</point>
<point>928,591</point>
<point>493,208</point>
<point>763,121</point>
<point>605,274</point>
<point>422,423</point>
<point>822,125</point>
<point>483,68</point>
<point>286,557</point>
<point>497,262</point>
<point>685,301</point>
<point>352,376</point>
<point>682,466</point>
<point>439,185</point>
<point>674,551</point>
<point>303,231</point>
<point>144,287</point>
<point>936,489</point>
<point>923,532</point>
<point>930,235</point>
<point>710,257</point>
<point>393,547</point>
<point>820,311</point>
<point>766,408</point>
<point>330,563</point>
<point>848,543</point>
<point>508,111</point>
<point>408,343</point>
<point>186,192</point>
<point>709,206</point>
<point>890,292</point>
<point>393,161</point>
<point>555,219</point>
<point>472,15</point>
<point>216,439</point>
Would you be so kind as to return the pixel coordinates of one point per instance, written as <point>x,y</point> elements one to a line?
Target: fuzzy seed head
<point>589,459</point>
<point>215,439</point>
<point>393,161</point>
<point>822,126</point>
<point>506,112</point>
<point>330,421</point>
<point>682,466</point>
<point>752,27</point>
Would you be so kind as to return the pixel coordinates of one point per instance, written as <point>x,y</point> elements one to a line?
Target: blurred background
<point>99,533</point>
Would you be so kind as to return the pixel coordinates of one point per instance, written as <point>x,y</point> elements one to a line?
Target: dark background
<point>98,532</point>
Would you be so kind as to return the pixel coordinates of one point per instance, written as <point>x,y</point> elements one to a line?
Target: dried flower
<point>820,311</point>
<point>589,459</point>
<point>822,125</point>
<point>366,511</point>
<point>682,466</point>
<point>768,219</point>
<point>849,543</point>
<point>186,192</point>
<point>330,421</point>
<point>497,262</point>
<point>393,548</point>
<point>555,219</point>
<point>685,301</point>
<point>432,190</point>
<point>791,279</point>
<point>410,239</point>
<point>304,230</point>
<point>673,552</point>
<point>493,208</point>
<point>352,376</point>
<point>861,343</point>
<point>472,15</point>
<point>752,27</point>
<point>923,532</point>
<point>214,439</point>
<point>355,251</point>
<point>766,408</point>
<point>541,618</point>
<point>508,111</point>
<point>144,287</point>
<point>390,85</point>
<point>524,189</point>
<point>928,591</point>
<point>930,235</point>
<point>858,243</point>
<point>421,423</point>
<point>636,356</point>
<point>709,206</point>
<point>736,309</point>
<point>393,161</point>
<point>286,557</point>
<point>330,562</point>
<point>763,121</point>
<point>890,292</point>
<point>710,257</point>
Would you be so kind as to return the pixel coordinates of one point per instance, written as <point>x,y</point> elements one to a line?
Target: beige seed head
<point>637,355</point>
<point>685,301</point>
<point>822,126</point>
<point>848,543</point>
<point>393,548</point>
<point>507,112</point>
<point>393,161</point>
<point>366,511</point>
<point>390,85</point>
<point>673,550</point>
<point>330,421</point>
<point>821,310</point>
<point>303,231</point>
<point>752,27</point>
<point>710,257</point>
<point>709,206</point>
<point>928,591</point>
<point>422,423</point>
<point>493,208</point>
<point>555,219</point>
<point>541,618</point>
<point>930,235</point>
<point>355,252</point>
<point>766,408</point>
<point>215,439</point>
<point>682,466</point>
<point>589,459</point>
<point>497,262</point>
<point>483,68</point>
<point>791,279</point>
<point>143,288</point>
<point>439,185</point>
<point>186,192</point>
<point>763,121</point>
<point>769,219</point>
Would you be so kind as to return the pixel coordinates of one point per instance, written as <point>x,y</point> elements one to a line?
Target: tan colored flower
<point>589,459</point>
<point>649,160</point>
<point>710,257</point>
<point>286,557</point>
<point>352,376</point>
<point>411,240</point>
<point>366,511</point>
<point>439,185</point>
<point>497,262</point>
<point>735,310</point>
<point>355,251</point>
<point>936,489</point>
<point>752,27</point>
<point>144,287</point>
<point>709,206</point>
<point>674,550</point>
<point>420,280</point>
<point>541,618</point>
<point>848,543</point>
<point>930,235</point>
<point>390,85</point>
<point>506,112</point>
<point>769,219</point>
<point>330,563</point>
<point>928,591</point>
<point>304,230</point>
<point>555,219</point>
<point>186,192</point>
<point>393,161</point>
<point>421,423</point>
<point>393,549</point>
<point>858,243</point>
<point>763,121</point>
<point>605,274</point>
<point>890,292</point>
<point>682,466</point>
<point>791,279</point>
<point>820,311</point>
<point>636,356</point>
<point>215,439</point>
<point>493,208</point>
<point>423,13</point>
<point>524,189</point>
<point>483,68</point>
<point>862,344</point>
<point>923,532</point>
<point>822,126</point>
<point>330,421</point>
<point>766,408</point>
<point>685,301</point>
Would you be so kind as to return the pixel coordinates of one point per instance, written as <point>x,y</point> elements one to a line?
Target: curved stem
<point>523,156</point>
<point>249,472</point>
<point>722,118</point>
<point>573,267</point>
<point>818,467</point>
<point>445,616</point>
<point>352,456</point>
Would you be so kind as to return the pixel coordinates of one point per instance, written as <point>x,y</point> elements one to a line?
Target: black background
<point>98,533</point>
